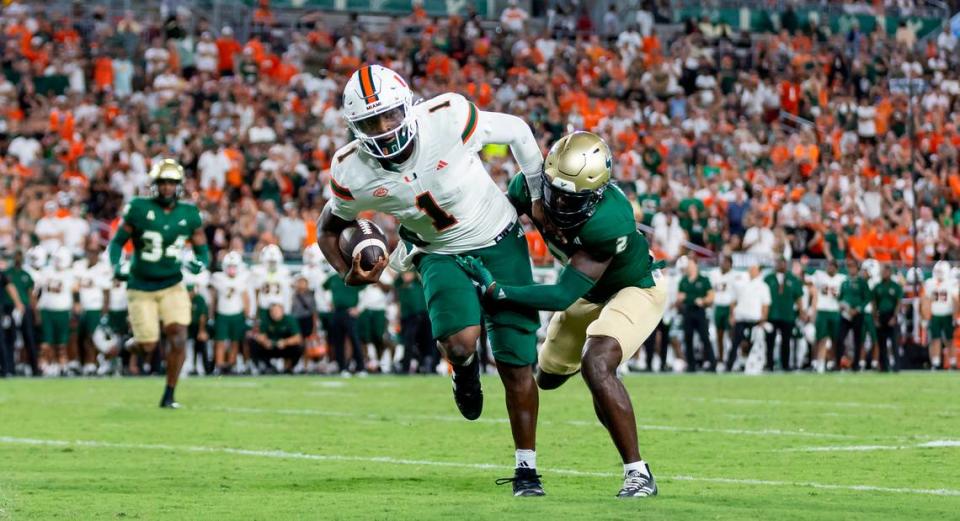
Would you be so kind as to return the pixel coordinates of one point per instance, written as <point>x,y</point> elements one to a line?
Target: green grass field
<point>730,447</point>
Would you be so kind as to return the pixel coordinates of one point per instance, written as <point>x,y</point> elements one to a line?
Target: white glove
<point>17,316</point>
<point>401,259</point>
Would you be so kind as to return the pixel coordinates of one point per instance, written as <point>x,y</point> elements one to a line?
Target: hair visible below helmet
<point>941,270</point>
<point>575,174</point>
<point>62,258</point>
<point>374,93</point>
<point>166,170</point>
<point>271,257</point>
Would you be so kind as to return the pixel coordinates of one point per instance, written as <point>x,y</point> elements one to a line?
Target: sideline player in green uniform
<point>160,227</point>
<point>607,296</point>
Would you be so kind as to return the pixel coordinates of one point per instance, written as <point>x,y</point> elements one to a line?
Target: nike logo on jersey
<point>381,192</point>
<point>441,164</point>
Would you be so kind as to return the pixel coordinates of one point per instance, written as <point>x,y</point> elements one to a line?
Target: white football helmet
<point>312,255</point>
<point>105,340</point>
<point>36,258</point>
<point>941,270</point>
<point>62,258</point>
<point>232,262</point>
<point>271,257</point>
<point>376,105</point>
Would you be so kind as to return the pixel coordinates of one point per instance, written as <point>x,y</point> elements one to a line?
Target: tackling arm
<point>575,280</point>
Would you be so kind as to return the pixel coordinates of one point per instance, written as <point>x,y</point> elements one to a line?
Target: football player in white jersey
<point>94,275</point>
<point>372,322</point>
<point>58,284</point>
<point>271,281</point>
<point>230,301</point>
<point>724,282</point>
<point>420,164</point>
<point>940,306</point>
<point>826,305</point>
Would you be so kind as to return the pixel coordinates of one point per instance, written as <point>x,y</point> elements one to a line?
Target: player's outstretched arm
<point>575,280</point>
<point>506,129</point>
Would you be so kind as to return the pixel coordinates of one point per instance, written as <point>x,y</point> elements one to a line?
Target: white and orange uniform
<point>442,193</point>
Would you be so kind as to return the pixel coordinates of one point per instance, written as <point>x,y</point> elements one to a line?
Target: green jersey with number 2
<point>159,237</point>
<point>610,231</point>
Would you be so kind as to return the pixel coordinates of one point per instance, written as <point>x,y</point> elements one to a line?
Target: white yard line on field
<point>281,454</point>
<point>935,444</point>
<point>580,423</point>
<point>812,403</point>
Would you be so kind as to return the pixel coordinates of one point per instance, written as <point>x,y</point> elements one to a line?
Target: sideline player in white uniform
<point>420,164</point>
<point>940,305</point>
<point>94,275</point>
<point>271,281</point>
<point>58,284</point>
<point>724,281</point>
<point>372,322</point>
<point>826,305</point>
<point>231,305</point>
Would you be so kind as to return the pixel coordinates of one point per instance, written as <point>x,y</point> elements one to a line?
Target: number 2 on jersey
<point>428,205</point>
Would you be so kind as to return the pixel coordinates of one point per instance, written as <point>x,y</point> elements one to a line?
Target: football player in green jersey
<point>160,227</point>
<point>608,297</point>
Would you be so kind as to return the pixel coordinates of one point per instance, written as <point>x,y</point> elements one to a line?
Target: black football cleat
<point>169,404</point>
<point>526,483</point>
<point>635,484</point>
<point>467,391</point>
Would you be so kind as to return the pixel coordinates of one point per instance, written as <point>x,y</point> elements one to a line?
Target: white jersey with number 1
<point>442,193</point>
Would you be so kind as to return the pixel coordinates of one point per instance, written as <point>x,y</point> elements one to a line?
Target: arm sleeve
<point>510,130</point>
<point>115,250</point>
<point>202,252</point>
<point>571,285</point>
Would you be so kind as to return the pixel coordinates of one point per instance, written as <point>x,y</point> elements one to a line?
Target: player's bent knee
<point>601,356</point>
<point>459,346</point>
<point>549,381</point>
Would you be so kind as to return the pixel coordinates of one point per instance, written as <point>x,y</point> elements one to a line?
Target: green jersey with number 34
<point>610,231</point>
<point>158,237</point>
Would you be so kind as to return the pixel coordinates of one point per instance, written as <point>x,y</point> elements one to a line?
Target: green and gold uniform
<point>625,303</point>
<point>158,239</point>
<point>154,286</point>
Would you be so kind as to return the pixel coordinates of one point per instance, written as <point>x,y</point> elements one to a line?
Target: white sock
<point>935,362</point>
<point>639,466</point>
<point>526,459</point>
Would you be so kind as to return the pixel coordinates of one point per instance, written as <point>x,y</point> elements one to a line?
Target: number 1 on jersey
<point>428,205</point>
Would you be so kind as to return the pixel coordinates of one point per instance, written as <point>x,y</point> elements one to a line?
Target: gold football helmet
<point>167,170</point>
<point>576,172</point>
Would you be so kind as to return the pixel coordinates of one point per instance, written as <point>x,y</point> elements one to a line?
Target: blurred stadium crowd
<point>793,145</point>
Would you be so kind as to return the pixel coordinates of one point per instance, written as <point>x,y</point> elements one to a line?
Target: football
<point>366,239</point>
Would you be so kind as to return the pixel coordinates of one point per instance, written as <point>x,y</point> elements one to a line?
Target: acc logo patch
<point>381,192</point>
